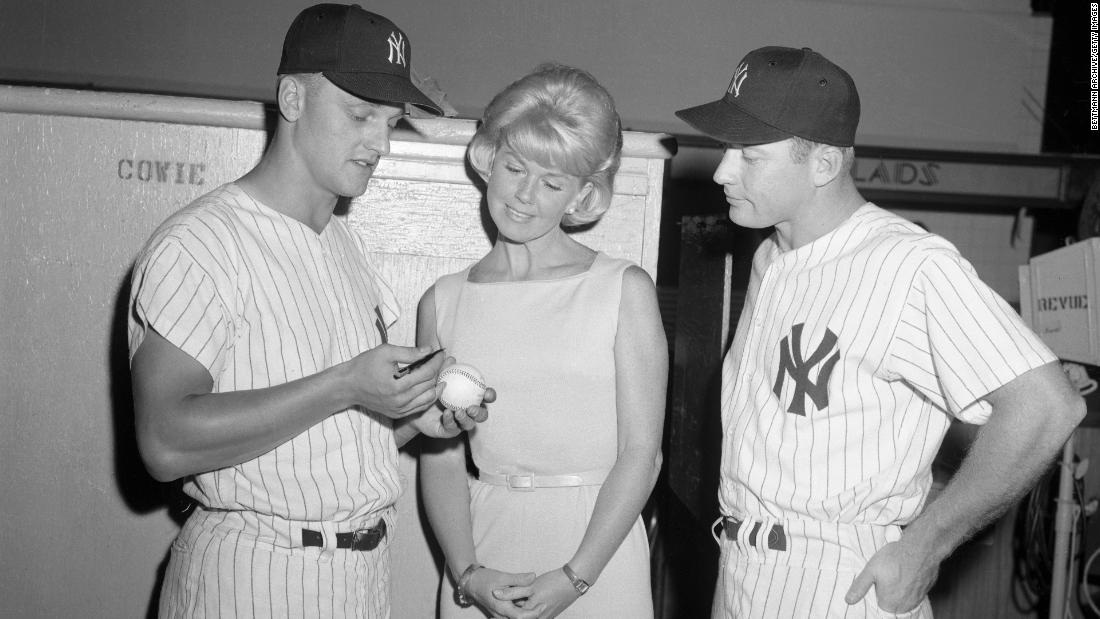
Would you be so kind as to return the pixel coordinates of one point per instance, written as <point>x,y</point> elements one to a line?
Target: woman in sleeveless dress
<point>572,342</point>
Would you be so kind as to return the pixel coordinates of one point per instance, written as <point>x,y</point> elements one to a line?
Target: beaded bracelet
<point>460,587</point>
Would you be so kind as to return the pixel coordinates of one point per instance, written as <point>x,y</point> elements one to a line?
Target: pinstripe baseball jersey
<point>850,358</point>
<point>260,299</point>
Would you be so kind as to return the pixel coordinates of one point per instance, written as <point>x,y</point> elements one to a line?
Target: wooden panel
<point>425,200</point>
<point>79,197</point>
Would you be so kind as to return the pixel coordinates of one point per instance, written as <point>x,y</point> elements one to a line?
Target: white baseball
<point>463,386</point>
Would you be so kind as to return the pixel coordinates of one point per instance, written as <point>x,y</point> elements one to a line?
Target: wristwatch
<point>578,583</point>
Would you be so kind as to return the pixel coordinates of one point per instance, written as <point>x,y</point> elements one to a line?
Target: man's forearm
<point>1031,420</point>
<point>210,431</point>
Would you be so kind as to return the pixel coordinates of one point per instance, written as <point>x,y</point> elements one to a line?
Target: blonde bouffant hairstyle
<point>559,117</point>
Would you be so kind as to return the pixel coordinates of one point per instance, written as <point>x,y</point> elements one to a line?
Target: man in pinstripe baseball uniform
<point>862,336</point>
<point>261,372</point>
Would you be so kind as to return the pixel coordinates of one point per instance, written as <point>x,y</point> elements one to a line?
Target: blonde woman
<point>572,341</point>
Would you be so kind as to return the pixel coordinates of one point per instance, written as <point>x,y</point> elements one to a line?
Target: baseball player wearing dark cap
<point>861,338</point>
<point>262,377</point>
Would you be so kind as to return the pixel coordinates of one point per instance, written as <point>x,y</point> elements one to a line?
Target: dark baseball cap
<point>359,51</point>
<point>779,92</point>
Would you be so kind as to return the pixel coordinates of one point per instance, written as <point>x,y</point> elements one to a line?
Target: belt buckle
<point>521,482</point>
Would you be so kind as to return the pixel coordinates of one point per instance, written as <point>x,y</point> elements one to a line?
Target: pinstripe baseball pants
<point>219,570</point>
<point>808,578</point>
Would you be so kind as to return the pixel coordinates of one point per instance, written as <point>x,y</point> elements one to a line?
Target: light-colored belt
<point>529,481</point>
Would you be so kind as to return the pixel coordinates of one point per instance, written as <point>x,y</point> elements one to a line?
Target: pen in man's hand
<point>415,364</point>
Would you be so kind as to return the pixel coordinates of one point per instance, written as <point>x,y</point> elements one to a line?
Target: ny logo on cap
<point>738,77</point>
<point>397,48</point>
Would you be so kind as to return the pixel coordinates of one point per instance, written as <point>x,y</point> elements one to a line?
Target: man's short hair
<point>800,148</point>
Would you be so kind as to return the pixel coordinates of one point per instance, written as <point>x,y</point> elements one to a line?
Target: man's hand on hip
<point>901,575</point>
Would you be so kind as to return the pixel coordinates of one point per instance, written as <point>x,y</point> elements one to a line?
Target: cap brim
<point>383,87</point>
<point>728,123</point>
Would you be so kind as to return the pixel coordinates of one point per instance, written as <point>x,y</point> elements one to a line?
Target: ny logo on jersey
<point>397,48</point>
<point>380,325</point>
<point>791,362</point>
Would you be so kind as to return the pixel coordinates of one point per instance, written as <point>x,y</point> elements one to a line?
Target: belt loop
<point>716,529</point>
<point>756,540</point>
<point>764,536</point>
<point>743,532</point>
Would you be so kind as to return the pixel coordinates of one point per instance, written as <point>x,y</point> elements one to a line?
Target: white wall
<point>954,74</point>
<point>83,528</point>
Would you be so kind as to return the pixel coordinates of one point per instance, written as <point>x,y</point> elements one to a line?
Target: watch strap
<point>578,583</point>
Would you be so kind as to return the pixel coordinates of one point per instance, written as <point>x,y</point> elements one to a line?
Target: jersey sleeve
<point>958,340</point>
<point>180,292</point>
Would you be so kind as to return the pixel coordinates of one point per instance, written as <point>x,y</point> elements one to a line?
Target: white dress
<point>547,347</point>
